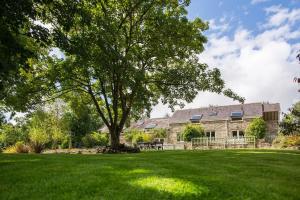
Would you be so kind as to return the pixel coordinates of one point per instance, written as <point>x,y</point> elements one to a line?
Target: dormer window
<point>213,113</point>
<point>150,126</point>
<point>196,118</point>
<point>236,115</point>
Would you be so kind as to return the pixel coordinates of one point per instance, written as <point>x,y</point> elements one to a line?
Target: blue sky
<point>245,13</point>
<point>254,43</point>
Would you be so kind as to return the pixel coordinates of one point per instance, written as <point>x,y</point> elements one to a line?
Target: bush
<point>282,141</point>
<point>19,147</point>
<point>10,149</point>
<point>10,134</point>
<point>159,133</point>
<point>95,139</point>
<point>38,139</point>
<point>192,131</point>
<point>138,137</point>
<point>134,135</point>
<point>257,128</point>
<point>131,133</point>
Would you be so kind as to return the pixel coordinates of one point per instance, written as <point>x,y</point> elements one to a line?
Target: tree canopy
<point>290,123</point>
<point>21,37</point>
<point>126,56</point>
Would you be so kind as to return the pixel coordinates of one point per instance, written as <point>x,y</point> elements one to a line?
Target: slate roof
<point>212,113</point>
<point>250,110</point>
<point>145,123</point>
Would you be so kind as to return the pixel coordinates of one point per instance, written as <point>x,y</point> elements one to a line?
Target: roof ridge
<point>222,106</point>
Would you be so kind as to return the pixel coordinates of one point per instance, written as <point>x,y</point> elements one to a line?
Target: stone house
<point>218,121</point>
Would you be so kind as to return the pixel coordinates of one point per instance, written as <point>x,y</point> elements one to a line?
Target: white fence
<point>223,143</point>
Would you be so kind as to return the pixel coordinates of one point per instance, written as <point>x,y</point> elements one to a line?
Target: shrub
<point>278,142</point>
<point>257,128</point>
<point>38,139</point>
<point>159,132</point>
<point>10,149</point>
<point>21,147</point>
<point>282,141</point>
<point>134,135</point>
<point>138,137</point>
<point>192,131</point>
<point>95,139</point>
<point>130,134</point>
<point>10,134</point>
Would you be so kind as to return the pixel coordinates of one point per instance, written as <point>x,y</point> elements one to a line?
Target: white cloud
<point>218,27</point>
<point>259,67</point>
<point>258,1</point>
<point>279,15</point>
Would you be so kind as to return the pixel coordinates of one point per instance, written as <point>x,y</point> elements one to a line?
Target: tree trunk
<point>114,140</point>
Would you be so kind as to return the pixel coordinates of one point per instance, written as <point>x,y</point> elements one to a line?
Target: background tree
<point>126,56</point>
<point>290,123</point>
<point>81,117</point>
<point>257,128</point>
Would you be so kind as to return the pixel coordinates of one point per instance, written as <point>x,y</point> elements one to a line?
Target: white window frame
<point>210,132</point>
<point>238,133</point>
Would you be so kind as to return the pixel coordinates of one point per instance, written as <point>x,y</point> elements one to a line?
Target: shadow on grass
<point>153,175</point>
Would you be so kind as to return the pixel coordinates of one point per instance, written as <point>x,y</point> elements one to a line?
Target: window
<point>213,114</point>
<point>234,134</point>
<point>237,133</point>
<point>196,118</point>
<point>236,118</point>
<point>210,134</point>
<point>150,126</point>
<point>236,115</point>
<point>241,133</point>
<point>179,137</point>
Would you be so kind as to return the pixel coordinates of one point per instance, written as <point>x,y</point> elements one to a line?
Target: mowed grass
<point>230,174</point>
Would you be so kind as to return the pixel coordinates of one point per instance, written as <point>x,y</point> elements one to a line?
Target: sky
<point>254,43</point>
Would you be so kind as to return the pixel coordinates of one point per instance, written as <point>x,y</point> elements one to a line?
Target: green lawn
<point>231,174</point>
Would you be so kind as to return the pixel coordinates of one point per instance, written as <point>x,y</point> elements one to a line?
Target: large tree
<point>21,37</point>
<point>126,56</point>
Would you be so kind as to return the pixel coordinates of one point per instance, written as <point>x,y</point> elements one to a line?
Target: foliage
<point>2,118</point>
<point>95,139</point>
<point>80,117</point>
<point>19,147</point>
<point>290,123</point>
<point>38,137</point>
<point>257,128</point>
<point>135,135</point>
<point>283,141</point>
<point>20,39</point>
<point>192,131</point>
<point>159,132</point>
<point>125,56</point>
<point>10,134</point>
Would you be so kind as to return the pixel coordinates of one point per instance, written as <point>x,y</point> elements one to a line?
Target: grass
<point>231,174</point>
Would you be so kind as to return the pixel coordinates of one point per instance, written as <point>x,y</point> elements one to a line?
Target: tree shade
<point>126,56</point>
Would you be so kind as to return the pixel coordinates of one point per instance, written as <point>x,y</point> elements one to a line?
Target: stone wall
<point>272,128</point>
<point>222,128</point>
